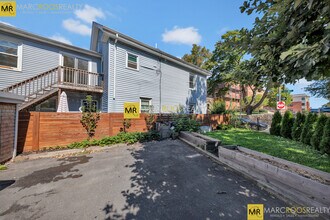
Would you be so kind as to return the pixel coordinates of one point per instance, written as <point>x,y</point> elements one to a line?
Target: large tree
<point>231,68</point>
<point>320,88</point>
<point>273,96</point>
<point>293,35</point>
<point>199,56</point>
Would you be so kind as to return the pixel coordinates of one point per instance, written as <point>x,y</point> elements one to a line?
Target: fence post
<point>35,136</point>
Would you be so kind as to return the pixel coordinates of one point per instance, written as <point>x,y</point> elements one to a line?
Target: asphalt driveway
<point>156,180</point>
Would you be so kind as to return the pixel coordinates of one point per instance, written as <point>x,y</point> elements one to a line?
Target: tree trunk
<point>249,110</point>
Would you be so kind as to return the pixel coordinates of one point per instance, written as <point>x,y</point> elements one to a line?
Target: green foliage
<point>126,125</point>
<point>90,117</point>
<point>275,146</point>
<point>291,38</point>
<point>308,128</point>
<point>257,99</point>
<point>150,120</point>
<point>218,107</point>
<point>320,89</point>
<point>224,127</point>
<point>128,138</point>
<point>273,98</point>
<point>275,128</point>
<point>318,132</point>
<point>325,141</point>
<point>287,124</point>
<point>199,56</point>
<point>185,123</point>
<point>3,167</point>
<point>297,126</point>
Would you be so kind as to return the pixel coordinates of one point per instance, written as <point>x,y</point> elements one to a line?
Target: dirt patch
<point>53,174</point>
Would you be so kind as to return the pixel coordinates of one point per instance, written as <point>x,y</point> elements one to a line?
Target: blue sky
<point>172,25</point>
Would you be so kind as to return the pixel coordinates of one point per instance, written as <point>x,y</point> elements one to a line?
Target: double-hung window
<point>132,61</point>
<point>9,55</point>
<point>145,105</point>
<point>192,81</point>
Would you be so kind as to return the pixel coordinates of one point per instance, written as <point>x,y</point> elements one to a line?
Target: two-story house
<point>117,69</point>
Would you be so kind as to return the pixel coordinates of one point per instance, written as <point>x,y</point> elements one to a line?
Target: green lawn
<point>2,167</point>
<point>274,146</point>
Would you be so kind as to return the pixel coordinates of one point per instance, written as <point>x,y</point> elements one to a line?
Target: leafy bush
<point>297,126</point>
<point>185,123</point>
<point>325,141</point>
<point>318,132</point>
<point>275,128</point>
<point>90,117</point>
<point>287,124</point>
<point>224,127</point>
<point>308,128</point>
<point>218,107</point>
<point>122,137</point>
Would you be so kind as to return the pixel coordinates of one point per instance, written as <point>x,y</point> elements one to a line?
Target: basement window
<point>132,61</point>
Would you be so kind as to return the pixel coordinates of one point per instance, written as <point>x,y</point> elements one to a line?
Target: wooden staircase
<point>40,87</point>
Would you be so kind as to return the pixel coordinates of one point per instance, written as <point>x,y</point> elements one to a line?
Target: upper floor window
<point>192,81</point>
<point>9,55</point>
<point>132,61</point>
<point>303,99</point>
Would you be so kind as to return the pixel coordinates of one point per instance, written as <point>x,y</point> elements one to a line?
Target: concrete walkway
<point>156,180</point>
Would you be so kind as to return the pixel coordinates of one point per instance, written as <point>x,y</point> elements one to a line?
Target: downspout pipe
<point>115,66</point>
<point>15,133</point>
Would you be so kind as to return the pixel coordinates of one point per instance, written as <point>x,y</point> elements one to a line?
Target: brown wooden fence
<point>38,130</point>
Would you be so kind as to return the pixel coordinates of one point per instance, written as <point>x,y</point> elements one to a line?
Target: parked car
<point>324,109</point>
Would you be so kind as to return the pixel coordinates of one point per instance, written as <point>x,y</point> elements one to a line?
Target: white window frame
<point>62,54</point>
<point>19,55</point>
<point>194,81</point>
<point>137,61</point>
<point>150,103</point>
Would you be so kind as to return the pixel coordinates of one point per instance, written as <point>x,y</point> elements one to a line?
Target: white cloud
<point>179,35</point>
<point>89,14</point>
<point>60,38</point>
<point>6,23</point>
<point>76,26</point>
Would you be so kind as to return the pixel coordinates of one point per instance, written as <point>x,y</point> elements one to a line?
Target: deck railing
<point>57,77</point>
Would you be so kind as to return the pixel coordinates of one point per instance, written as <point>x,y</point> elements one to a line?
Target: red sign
<point>280,105</point>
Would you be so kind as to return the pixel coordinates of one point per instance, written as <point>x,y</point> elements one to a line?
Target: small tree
<point>308,128</point>
<point>275,128</point>
<point>297,126</point>
<point>319,127</point>
<point>90,116</point>
<point>287,124</point>
<point>325,141</point>
<point>218,107</point>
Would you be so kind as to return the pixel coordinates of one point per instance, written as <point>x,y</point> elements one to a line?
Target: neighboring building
<point>117,69</point>
<point>300,102</point>
<point>136,72</point>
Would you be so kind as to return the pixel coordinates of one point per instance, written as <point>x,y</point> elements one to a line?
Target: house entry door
<point>75,70</point>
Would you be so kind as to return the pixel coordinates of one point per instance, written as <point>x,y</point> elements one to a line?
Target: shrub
<point>308,128</point>
<point>297,126</point>
<point>325,141</point>
<point>90,117</point>
<point>287,124</point>
<point>185,123</point>
<point>218,107</point>
<point>275,128</point>
<point>318,132</point>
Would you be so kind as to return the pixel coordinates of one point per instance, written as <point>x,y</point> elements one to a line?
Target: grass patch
<point>3,167</point>
<point>275,146</point>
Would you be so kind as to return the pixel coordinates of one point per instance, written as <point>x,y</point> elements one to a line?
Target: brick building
<point>300,102</point>
<point>8,125</point>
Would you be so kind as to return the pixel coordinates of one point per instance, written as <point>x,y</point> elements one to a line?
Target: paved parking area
<point>156,180</point>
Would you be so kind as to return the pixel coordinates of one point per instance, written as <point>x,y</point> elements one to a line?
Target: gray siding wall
<point>36,59</point>
<point>131,85</point>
